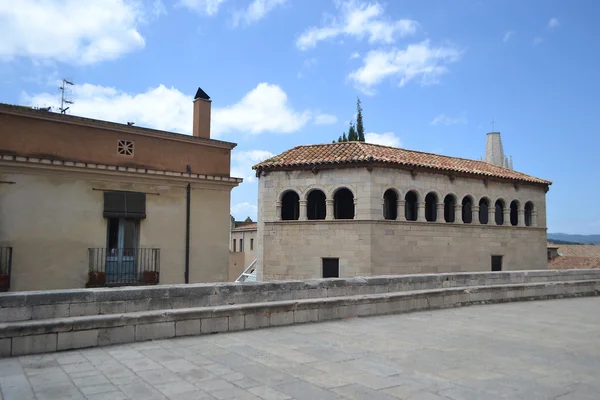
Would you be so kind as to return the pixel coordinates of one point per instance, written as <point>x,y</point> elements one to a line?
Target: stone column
<point>534,218</point>
<point>400,204</point>
<point>458,214</point>
<point>302,210</point>
<point>492,215</point>
<point>521,217</point>
<point>440,213</point>
<point>506,216</point>
<point>278,210</point>
<point>475,215</point>
<point>421,212</point>
<point>329,209</point>
<point>355,207</point>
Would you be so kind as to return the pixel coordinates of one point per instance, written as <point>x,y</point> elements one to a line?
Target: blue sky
<point>431,76</point>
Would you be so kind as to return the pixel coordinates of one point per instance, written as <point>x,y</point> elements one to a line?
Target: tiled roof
<point>576,256</point>
<point>363,153</point>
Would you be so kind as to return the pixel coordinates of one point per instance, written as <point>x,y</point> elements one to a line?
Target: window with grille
<point>125,147</point>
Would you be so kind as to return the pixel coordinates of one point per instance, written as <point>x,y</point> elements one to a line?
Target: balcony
<point>5,265</point>
<point>123,267</point>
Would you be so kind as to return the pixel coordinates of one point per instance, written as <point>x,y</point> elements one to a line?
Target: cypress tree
<point>344,138</point>
<point>360,130</point>
<point>352,136</point>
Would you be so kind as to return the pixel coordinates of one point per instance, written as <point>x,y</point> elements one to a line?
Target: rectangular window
<point>496,263</point>
<point>331,268</point>
<point>241,245</point>
<point>234,246</point>
<point>251,244</point>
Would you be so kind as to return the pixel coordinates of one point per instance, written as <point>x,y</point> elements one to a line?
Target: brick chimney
<point>202,114</point>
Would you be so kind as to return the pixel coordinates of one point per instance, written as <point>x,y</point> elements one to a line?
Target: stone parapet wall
<point>30,337</point>
<point>38,305</point>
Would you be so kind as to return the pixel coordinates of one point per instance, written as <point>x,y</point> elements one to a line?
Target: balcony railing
<point>122,267</point>
<point>5,266</point>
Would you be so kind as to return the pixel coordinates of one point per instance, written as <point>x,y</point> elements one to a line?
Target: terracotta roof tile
<point>360,152</point>
<point>246,227</point>
<point>575,256</point>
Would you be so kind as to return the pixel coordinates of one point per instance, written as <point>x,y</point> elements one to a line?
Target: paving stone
<point>268,393</point>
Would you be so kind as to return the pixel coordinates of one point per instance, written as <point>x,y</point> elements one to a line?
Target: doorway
<point>122,245</point>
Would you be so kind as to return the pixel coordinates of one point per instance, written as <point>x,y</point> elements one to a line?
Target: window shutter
<point>136,205</point>
<point>124,205</point>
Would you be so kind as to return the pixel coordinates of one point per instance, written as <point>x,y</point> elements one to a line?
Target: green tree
<point>352,136</point>
<point>344,138</point>
<point>360,129</point>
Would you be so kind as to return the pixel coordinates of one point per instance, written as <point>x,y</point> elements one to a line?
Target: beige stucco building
<point>357,209</point>
<point>89,202</point>
<point>242,247</point>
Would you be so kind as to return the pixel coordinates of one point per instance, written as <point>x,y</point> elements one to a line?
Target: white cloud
<point>242,210</point>
<point>420,61</point>
<point>359,19</point>
<point>242,162</point>
<point>384,139</point>
<point>354,55</point>
<point>158,8</point>
<point>208,7</point>
<point>443,119</point>
<point>325,119</point>
<point>264,109</point>
<point>553,23</point>
<point>255,11</point>
<point>537,40</point>
<point>508,35</point>
<point>73,31</point>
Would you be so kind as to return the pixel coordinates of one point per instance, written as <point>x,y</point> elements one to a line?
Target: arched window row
<point>316,205</point>
<point>451,209</point>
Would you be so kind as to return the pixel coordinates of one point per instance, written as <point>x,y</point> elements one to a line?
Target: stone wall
<point>62,320</point>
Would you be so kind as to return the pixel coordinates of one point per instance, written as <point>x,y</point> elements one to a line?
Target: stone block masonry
<point>264,305</point>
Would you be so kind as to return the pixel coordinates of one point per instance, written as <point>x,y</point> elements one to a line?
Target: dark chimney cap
<point>201,94</point>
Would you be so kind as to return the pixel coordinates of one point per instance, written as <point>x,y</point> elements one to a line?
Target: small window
<point>496,263</point>
<point>234,245</point>
<point>251,244</point>
<point>549,255</point>
<point>241,245</point>
<point>331,268</point>
<point>125,147</point>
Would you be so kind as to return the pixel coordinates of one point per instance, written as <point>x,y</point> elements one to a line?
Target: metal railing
<point>5,267</point>
<point>249,274</point>
<point>120,267</point>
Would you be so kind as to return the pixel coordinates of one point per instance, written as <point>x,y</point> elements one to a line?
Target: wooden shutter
<point>124,205</point>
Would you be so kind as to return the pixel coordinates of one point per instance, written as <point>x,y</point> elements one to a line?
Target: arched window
<point>315,205</point>
<point>431,207</point>
<point>529,213</point>
<point>410,206</point>
<point>514,213</point>
<point>499,212</point>
<point>343,204</point>
<point>390,204</point>
<point>484,206</point>
<point>449,203</point>
<point>290,206</point>
<point>467,210</point>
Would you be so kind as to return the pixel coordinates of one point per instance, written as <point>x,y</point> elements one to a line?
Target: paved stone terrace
<point>531,350</point>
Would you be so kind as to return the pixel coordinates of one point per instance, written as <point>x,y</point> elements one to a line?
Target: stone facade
<point>242,249</point>
<point>369,244</point>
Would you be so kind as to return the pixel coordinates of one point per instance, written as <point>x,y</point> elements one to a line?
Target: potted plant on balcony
<point>96,278</point>
<point>150,277</point>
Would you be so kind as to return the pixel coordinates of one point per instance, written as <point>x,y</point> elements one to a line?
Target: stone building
<point>242,247</point>
<point>89,202</point>
<point>356,209</point>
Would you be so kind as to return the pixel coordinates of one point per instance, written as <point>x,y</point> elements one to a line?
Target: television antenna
<point>63,99</point>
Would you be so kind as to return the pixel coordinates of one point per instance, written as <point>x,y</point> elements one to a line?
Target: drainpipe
<point>187,233</point>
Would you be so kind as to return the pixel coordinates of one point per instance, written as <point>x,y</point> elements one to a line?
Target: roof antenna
<point>493,123</point>
<point>63,99</point>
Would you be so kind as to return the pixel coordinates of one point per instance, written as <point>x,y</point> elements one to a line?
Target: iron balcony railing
<point>120,267</point>
<point>5,266</point>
